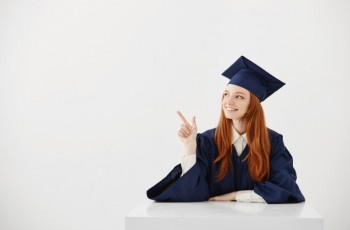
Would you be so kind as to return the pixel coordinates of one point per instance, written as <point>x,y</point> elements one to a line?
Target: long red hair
<point>258,141</point>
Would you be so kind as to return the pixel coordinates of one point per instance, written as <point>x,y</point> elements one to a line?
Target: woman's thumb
<point>194,124</point>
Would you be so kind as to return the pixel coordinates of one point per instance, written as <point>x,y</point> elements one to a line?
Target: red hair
<point>258,141</point>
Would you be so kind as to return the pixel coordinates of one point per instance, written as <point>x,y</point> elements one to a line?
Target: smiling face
<point>235,102</point>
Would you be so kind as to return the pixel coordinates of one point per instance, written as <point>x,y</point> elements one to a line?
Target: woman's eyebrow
<point>226,91</point>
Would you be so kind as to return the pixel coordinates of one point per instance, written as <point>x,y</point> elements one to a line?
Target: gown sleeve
<point>187,162</point>
<point>281,187</point>
<point>190,187</point>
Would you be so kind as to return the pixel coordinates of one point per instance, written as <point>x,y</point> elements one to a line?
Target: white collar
<point>236,135</point>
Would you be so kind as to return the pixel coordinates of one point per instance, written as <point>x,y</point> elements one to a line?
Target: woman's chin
<point>231,117</point>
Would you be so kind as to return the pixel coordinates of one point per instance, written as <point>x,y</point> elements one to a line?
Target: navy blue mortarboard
<point>250,76</point>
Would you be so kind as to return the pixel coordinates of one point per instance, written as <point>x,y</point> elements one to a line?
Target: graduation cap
<point>250,76</point>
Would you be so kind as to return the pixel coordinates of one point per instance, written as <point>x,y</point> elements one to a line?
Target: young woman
<point>240,160</point>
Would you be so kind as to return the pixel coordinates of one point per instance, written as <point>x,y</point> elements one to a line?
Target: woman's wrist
<point>190,148</point>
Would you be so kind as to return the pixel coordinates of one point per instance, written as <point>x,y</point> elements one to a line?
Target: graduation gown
<point>199,183</point>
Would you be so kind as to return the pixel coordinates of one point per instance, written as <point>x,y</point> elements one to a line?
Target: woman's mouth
<point>231,109</point>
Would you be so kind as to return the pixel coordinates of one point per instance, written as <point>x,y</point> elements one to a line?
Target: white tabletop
<point>226,215</point>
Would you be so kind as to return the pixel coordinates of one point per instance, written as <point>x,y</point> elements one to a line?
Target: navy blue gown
<point>199,183</point>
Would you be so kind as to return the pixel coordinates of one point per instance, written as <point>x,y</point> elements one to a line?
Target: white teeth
<point>230,109</point>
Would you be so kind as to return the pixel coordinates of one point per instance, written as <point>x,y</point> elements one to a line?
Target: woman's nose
<point>230,101</point>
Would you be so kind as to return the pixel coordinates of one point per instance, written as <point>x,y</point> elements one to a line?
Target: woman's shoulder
<point>206,138</point>
<point>209,134</point>
<point>206,144</point>
<point>276,140</point>
<point>275,137</point>
<point>273,134</point>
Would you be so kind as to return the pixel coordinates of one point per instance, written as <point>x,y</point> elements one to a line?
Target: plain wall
<point>89,92</point>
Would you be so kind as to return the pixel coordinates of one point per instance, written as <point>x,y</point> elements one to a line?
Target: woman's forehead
<point>235,89</point>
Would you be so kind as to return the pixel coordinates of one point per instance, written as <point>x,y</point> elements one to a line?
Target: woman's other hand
<point>226,197</point>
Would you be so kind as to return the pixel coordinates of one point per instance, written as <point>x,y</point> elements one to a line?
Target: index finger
<point>182,118</point>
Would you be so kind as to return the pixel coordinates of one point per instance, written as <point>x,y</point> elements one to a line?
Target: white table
<point>222,215</point>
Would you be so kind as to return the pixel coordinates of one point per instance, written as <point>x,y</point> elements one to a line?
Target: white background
<point>89,92</point>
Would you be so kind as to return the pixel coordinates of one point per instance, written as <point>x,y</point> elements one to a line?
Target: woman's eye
<point>225,94</point>
<point>239,97</point>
